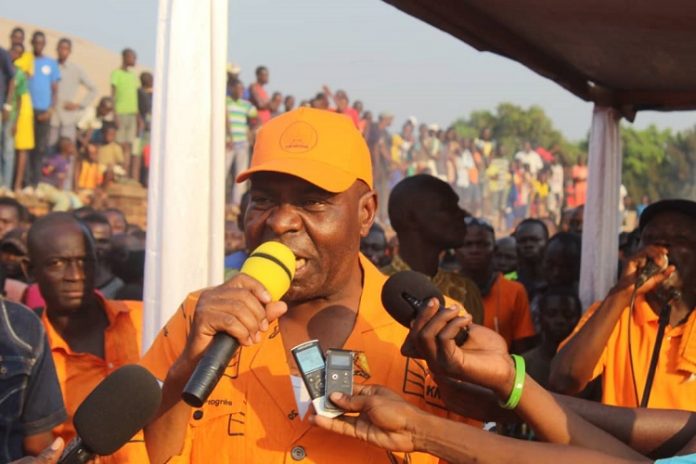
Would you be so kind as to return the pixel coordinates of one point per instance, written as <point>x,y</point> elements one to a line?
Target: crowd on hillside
<point>59,142</point>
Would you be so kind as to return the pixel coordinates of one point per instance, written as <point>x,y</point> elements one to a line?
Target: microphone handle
<point>210,368</point>
<point>75,453</point>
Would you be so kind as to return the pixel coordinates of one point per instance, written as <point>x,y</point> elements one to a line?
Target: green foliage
<point>512,125</point>
<point>657,163</point>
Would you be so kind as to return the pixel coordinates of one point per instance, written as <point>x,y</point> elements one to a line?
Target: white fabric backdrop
<point>185,239</point>
<point>601,226</point>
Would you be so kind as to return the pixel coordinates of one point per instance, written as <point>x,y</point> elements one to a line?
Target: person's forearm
<point>555,423</point>
<point>461,443</point>
<point>572,367</point>
<point>655,432</point>
<point>166,434</point>
<point>473,401</point>
<point>54,96</point>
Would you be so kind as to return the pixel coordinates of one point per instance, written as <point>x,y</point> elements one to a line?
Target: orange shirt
<point>674,386</point>
<point>506,310</point>
<point>251,416</point>
<point>79,373</point>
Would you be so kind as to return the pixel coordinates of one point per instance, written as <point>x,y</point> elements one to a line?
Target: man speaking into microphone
<point>641,338</point>
<point>311,189</point>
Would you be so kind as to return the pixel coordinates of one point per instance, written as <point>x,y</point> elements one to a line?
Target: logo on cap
<point>298,137</point>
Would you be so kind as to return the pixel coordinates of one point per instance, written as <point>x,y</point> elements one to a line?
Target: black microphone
<point>117,408</point>
<point>406,293</point>
<point>272,264</point>
<point>650,269</point>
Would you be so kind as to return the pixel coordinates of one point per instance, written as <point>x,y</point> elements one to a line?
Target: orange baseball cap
<point>322,147</point>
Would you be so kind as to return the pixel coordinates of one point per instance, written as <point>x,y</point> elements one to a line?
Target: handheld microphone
<point>117,408</point>
<point>406,293</point>
<point>272,264</point>
<point>650,269</point>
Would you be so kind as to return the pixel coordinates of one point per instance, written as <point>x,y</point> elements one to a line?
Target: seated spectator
<point>55,168</point>
<point>531,236</point>
<point>616,338</point>
<point>426,217</point>
<point>506,309</point>
<point>89,336</point>
<point>89,173</point>
<point>110,154</point>
<point>375,247</point>
<point>93,120</point>
<point>505,257</point>
<point>104,279</point>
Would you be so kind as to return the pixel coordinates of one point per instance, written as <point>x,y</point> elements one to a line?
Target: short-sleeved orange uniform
<point>251,416</point>
<point>79,373</point>
<point>506,310</point>
<point>674,386</point>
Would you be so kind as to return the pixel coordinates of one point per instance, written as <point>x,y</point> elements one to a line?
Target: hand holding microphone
<point>446,337</point>
<point>235,313</point>
<point>645,271</point>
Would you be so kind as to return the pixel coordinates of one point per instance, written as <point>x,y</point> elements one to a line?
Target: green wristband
<point>516,393</point>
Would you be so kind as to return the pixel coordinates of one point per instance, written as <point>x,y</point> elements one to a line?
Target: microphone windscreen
<point>272,264</point>
<point>117,408</point>
<point>412,283</point>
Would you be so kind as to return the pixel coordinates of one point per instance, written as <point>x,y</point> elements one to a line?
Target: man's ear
<point>367,210</point>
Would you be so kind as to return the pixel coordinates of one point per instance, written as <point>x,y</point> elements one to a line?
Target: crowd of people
<point>501,240</point>
<point>56,143</point>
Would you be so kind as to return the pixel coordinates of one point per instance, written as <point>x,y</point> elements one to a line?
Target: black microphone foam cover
<point>411,283</point>
<point>117,408</point>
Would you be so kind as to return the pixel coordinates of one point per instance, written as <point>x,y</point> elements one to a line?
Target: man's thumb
<point>51,454</point>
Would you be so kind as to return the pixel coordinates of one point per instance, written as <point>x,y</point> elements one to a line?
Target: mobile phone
<point>339,376</point>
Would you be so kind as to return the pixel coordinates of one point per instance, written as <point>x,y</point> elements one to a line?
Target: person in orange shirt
<point>90,337</point>
<point>616,338</point>
<point>311,189</point>
<point>506,308</point>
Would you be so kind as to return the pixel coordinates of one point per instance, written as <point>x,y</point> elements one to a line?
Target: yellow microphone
<point>272,264</point>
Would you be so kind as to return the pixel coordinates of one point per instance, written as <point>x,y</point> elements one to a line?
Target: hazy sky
<point>375,52</point>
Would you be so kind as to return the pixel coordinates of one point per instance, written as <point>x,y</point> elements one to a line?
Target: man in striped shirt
<point>240,113</point>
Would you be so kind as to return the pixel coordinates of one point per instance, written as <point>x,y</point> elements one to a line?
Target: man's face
<point>440,219</point>
<point>102,240</point>
<point>63,51</point>
<point>476,253</point>
<point>323,229</point>
<point>17,37</point>
<point>531,241</point>
<point>8,219</point>
<point>558,316</point>
<point>118,224</point>
<point>674,231</point>
<point>63,268</point>
<point>505,256</point>
<point>561,265</point>
<point>38,43</point>
<point>374,246</point>
<point>262,76</point>
<point>237,90</point>
<point>289,103</point>
<point>129,58</point>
